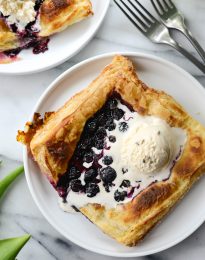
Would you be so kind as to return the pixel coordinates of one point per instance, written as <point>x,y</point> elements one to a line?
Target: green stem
<point>4,183</point>
<point>9,248</point>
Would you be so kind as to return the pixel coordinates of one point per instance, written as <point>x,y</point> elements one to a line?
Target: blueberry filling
<point>125,183</point>
<point>90,175</point>
<point>74,173</point>
<point>108,174</point>
<point>99,144</point>
<point>110,125</point>
<point>92,126</point>
<point>112,139</point>
<point>38,5</point>
<point>101,119</point>
<point>117,113</point>
<point>92,189</point>
<point>76,185</point>
<point>123,126</point>
<point>101,133</point>
<point>89,162</point>
<point>112,104</point>
<point>124,170</point>
<point>120,196</point>
<point>88,157</point>
<point>29,36</point>
<point>107,160</point>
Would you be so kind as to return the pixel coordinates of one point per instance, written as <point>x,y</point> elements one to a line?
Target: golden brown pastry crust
<point>8,39</point>
<point>54,143</point>
<point>55,16</point>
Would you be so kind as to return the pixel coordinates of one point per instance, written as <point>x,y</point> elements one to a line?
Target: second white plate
<point>62,46</point>
<point>189,213</point>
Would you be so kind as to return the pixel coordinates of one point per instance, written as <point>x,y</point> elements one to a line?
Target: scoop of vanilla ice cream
<point>147,148</point>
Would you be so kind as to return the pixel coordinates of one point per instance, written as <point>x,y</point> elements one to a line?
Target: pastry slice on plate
<point>24,24</point>
<point>120,152</point>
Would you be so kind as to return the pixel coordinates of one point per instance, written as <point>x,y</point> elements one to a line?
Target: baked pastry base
<point>52,143</point>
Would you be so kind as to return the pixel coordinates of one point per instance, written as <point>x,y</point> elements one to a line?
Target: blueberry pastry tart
<point>28,23</point>
<point>120,152</point>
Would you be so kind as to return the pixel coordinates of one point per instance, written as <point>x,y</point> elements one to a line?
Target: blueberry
<point>92,189</point>
<point>107,160</point>
<point>109,121</point>
<point>112,103</point>
<point>91,126</point>
<point>112,138</point>
<point>124,170</point>
<point>120,196</point>
<point>85,144</point>
<point>74,173</point>
<point>90,175</point>
<point>101,119</point>
<point>63,182</point>
<point>118,113</point>
<point>101,133</point>
<point>123,126</point>
<point>108,174</point>
<point>99,144</point>
<point>125,183</point>
<point>110,125</point>
<point>79,153</point>
<point>13,27</point>
<point>88,157</point>
<point>108,114</point>
<point>107,188</point>
<point>38,4</point>
<point>76,185</point>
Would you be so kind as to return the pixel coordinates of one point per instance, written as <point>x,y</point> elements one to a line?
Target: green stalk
<point>4,183</point>
<point>9,248</point>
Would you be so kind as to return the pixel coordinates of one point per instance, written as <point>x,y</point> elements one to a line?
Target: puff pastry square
<point>52,142</point>
<point>53,15</point>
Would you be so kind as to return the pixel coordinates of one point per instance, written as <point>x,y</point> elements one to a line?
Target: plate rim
<point>55,64</point>
<point>54,85</point>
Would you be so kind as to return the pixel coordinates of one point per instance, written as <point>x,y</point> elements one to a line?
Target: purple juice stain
<point>131,192</point>
<point>41,46</point>
<point>176,159</point>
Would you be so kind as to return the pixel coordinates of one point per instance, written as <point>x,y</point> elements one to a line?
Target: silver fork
<point>172,18</point>
<point>156,31</point>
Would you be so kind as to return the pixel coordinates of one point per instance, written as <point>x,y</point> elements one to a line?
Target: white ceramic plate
<point>62,46</point>
<point>183,220</point>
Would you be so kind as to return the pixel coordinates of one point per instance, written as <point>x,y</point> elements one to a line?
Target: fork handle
<point>187,54</point>
<point>193,41</point>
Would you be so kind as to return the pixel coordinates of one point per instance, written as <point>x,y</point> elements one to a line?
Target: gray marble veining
<point>19,94</point>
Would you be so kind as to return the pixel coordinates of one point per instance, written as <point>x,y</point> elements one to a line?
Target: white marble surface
<point>18,95</point>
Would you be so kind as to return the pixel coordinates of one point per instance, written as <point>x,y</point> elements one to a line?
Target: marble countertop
<point>18,95</point>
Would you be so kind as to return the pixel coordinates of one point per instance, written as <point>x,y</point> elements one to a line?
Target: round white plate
<point>183,220</point>
<point>62,46</point>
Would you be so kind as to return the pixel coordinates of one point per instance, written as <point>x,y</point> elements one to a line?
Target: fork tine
<point>135,15</point>
<point>171,3</point>
<point>161,6</point>
<point>155,7</point>
<point>138,10</point>
<point>145,10</point>
<point>166,4</point>
<point>129,17</point>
